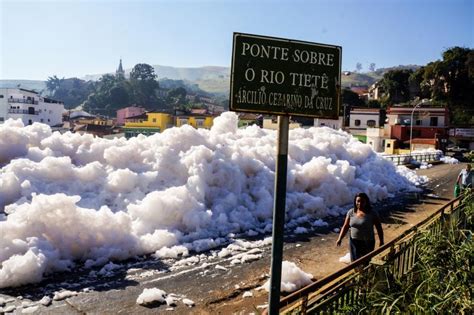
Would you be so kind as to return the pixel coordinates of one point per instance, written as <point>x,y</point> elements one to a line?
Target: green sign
<point>285,77</point>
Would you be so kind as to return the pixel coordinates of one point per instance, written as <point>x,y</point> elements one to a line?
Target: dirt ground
<point>220,291</point>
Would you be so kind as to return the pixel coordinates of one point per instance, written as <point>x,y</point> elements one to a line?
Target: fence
<point>346,286</point>
<point>406,158</point>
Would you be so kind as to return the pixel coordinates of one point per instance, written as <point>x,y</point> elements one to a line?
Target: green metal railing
<point>396,259</point>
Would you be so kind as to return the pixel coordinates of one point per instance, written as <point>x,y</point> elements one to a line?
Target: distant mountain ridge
<point>179,73</point>
<point>212,79</point>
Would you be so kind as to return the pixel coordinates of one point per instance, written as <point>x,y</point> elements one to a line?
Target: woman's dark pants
<point>360,248</point>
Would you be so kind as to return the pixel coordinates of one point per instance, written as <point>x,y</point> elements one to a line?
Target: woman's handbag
<point>457,190</point>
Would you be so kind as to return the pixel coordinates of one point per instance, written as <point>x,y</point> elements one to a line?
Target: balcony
<point>22,100</point>
<point>22,112</point>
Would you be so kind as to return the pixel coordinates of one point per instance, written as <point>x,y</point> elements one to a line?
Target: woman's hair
<point>364,197</point>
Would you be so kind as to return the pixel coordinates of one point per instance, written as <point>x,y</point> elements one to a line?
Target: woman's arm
<point>378,227</point>
<point>343,232</point>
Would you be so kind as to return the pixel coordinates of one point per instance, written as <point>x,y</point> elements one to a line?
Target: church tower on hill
<point>120,73</point>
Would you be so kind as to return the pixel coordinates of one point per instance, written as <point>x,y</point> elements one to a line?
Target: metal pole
<point>278,215</point>
<point>411,124</point>
<point>411,128</point>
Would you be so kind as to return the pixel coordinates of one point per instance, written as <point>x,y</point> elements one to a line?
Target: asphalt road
<point>216,286</point>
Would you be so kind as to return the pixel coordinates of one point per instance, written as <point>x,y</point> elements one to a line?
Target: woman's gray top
<point>362,228</point>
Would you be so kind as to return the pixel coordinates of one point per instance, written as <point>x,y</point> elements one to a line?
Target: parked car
<point>456,148</point>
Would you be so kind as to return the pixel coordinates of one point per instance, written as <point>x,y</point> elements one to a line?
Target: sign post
<point>279,201</point>
<point>283,77</point>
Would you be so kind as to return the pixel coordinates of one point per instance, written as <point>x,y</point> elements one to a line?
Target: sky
<point>73,38</point>
<point>77,199</point>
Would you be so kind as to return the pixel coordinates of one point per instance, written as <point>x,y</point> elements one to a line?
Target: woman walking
<point>361,220</point>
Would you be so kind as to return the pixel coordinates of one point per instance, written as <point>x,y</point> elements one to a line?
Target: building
<point>363,118</point>
<point>375,91</point>
<point>195,120</point>
<point>120,73</point>
<point>128,112</point>
<point>30,107</point>
<point>249,119</point>
<point>361,91</point>
<point>147,124</point>
<point>153,122</point>
<point>430,126</point>
<point>82,122</point>
<point>462,136</point>
<point>377,139</point>
<point>331,123</point>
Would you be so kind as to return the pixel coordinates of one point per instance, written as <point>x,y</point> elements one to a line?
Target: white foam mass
<point>292,278</point>
<point>72,198</point>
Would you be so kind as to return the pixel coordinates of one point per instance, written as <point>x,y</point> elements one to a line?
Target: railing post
<point>304,304</point>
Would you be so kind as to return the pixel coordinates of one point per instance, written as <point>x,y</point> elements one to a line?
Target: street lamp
<point>411,123</point>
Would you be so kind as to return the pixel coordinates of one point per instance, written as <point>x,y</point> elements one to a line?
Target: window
<point>183,121</point>
<point>1,95</point>
<point>357,122</point>
<point>2,119</point>
<point>41,120</point>
<point>389,145</point>
<point>200,122</point>
<point>371,123</point>
<point>418,122</point>
<point>30,122</point>
<point>434,121</point>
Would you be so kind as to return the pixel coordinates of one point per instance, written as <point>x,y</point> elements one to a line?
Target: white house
<point>30,107</point>
<point>331,123</point>
<point>363,118</point>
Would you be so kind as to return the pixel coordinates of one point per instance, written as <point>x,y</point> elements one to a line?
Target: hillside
<point>211,79</point>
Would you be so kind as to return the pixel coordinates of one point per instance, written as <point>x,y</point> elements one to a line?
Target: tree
<point>351,98</point>
<point>119,97</point>
<point>106,83</point>
<point>358,67</point>
<point>53,83</point>
<point>72,92</point>
<point>418,87</point>
<point>372,67</point>
<point>143,72</point>
<point>396,86</point>
<point>374,104</point>
<point>144,85</point>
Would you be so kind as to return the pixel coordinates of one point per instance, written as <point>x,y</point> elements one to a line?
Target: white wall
<point>331,123</point>
<point>363,117</point>
<point>375,139</point>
